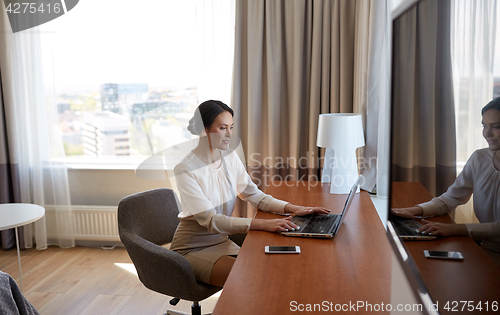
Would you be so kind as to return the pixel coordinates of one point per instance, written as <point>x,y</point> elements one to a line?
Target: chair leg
<point>170,312</point>
<point>174,301</point>
<point>195,310</point>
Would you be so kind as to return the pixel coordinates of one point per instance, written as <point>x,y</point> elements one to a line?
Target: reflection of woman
<point>481,177</point>
<point>209,178</point>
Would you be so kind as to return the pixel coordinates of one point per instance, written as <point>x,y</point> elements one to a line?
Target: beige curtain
<point>424,145</point>
<point>293,61</point>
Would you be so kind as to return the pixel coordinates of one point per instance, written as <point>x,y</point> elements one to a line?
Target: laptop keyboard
<point>321,224</point>
<point>403,229</point>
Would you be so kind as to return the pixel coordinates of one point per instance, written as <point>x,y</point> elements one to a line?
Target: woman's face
<point>491,128</point>
<point>221,130</point>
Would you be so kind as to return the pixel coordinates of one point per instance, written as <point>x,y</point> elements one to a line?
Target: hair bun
<point>194,126</point>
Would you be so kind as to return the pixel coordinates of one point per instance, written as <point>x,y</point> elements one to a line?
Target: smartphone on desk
<point>282,250</point>
<point>443,254</point>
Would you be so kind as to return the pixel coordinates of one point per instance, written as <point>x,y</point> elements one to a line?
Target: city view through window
<point>124,77</point>
<point>118,119</point>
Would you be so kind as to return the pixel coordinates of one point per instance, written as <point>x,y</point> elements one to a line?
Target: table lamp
<point>340,134</point>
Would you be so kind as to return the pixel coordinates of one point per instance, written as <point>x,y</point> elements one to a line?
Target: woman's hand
<point>273,225</point>
<point>411,212</point>
<point>300,210</point>
<point>442,229</point>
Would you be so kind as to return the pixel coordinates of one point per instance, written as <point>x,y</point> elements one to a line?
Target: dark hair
<point>205,115</point>
<point>495,104</point>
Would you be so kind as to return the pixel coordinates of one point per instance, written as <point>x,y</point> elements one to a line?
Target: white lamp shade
<point>340,130</point>
<point>340,134</point>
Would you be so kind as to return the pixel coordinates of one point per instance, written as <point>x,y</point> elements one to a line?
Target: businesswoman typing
<point>481,177</point>
<point>208,179</point>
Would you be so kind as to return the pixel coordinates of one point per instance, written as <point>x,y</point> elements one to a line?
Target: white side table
<point>14,215</point>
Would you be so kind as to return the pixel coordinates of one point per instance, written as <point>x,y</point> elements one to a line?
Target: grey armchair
<point>147,220</point>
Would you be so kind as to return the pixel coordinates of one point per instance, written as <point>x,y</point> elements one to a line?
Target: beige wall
<point>107,187</point>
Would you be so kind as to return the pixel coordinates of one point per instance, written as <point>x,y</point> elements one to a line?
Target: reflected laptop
<point>322,225</point>
<point>405,229</point>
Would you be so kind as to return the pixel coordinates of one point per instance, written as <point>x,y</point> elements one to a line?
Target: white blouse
<point>209,195</point>
<point>481,178</point>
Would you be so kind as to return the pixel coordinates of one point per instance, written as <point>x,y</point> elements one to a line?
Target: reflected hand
<point>273,225</point>
<point>300,210</point>
<point>442,229</point>
<point>411,212</point>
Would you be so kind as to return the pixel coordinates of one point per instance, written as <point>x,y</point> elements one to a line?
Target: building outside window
<point>118,84</point>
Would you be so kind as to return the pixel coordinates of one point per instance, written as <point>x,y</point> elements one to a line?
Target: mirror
<point>424,153</point>
<point>422,118</point>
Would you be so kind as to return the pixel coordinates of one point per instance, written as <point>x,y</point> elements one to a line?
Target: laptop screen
<point>352,192</point>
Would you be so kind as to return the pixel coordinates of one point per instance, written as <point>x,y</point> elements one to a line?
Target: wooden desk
<point>476,278</point>
<point>353,266</point>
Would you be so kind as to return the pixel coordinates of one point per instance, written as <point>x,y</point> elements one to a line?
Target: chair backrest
<point>152,215</point>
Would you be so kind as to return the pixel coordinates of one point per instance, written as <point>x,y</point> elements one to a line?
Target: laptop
<point>405,229</point>
<point>322,225</point>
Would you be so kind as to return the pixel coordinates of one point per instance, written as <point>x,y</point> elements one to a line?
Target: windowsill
<point>105,163</point>
<point>99,166</point>
<point>382,206</point>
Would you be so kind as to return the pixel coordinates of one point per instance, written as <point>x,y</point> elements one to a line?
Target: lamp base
<point>340,170</point>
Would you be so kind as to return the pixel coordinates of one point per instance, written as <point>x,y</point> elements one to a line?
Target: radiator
<point>90,223</point>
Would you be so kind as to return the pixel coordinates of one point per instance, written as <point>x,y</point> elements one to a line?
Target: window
<point>476,70</point>
<point>125,71</point>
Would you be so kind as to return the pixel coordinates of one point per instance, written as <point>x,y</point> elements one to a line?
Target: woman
<point>481,177</point>
<point>208,179</point>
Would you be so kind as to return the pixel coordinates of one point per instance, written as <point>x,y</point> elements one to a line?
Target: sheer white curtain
<point>215,29</point>
<point>473,32</point>
<point>33,135</point>
<point>373,41</point>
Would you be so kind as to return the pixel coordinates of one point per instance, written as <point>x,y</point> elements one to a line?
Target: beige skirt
<point>201,248</point>
<point>203,260</point>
